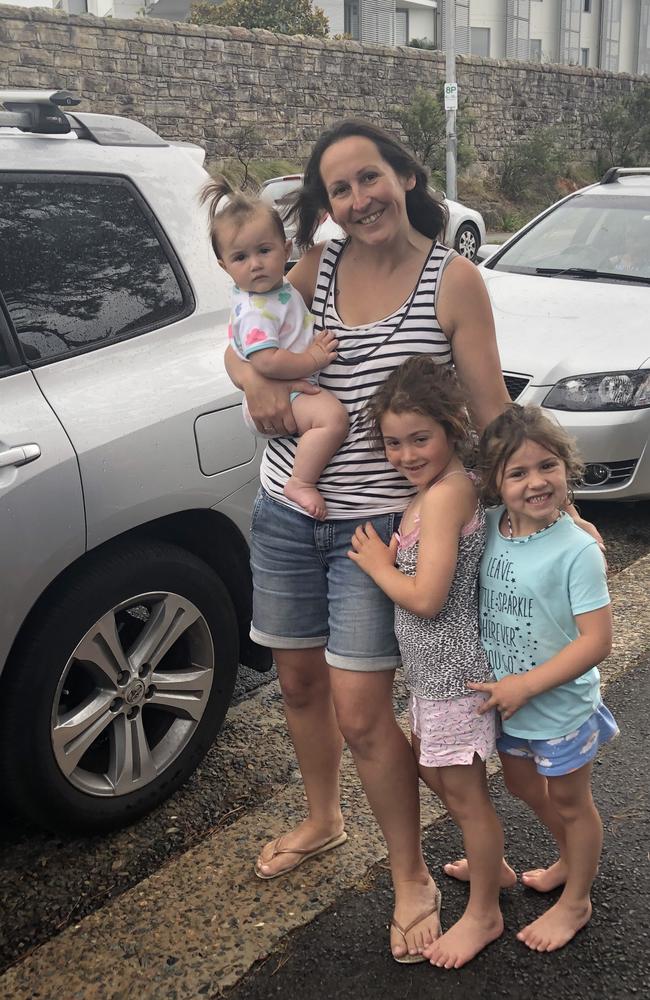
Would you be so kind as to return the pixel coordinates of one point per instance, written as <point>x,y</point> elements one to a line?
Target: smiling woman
<point>387,290</point>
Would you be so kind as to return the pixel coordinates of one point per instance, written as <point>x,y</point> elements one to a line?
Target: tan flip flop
<point>304,854</point>
<point>412,959</point>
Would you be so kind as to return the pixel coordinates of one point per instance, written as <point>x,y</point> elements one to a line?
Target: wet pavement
<point>202,925</point>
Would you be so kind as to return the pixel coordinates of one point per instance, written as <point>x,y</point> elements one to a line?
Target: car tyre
<point>165,615</point>
<point>467,241</point>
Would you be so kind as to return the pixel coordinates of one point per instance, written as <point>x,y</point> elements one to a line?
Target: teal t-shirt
<point>531,588</point>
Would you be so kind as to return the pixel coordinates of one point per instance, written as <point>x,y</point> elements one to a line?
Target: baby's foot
<point>460,870</point>
<point>462,942</point>
<point>307,497</point>
<point>556,927</point>
<point>545,879</point>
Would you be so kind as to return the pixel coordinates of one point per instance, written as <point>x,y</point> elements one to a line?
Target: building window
<point>535,50</point>
<point>480,42</point>
<point>587,8</point>
<point>401,27</point>
<point>584,57</point>
<point>351,18</point>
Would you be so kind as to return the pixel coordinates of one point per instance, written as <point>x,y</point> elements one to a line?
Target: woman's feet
<point>556,927</point>
<point>462,942</point>
<point>460,870</point>
<point>281,856</point>
<point>416,919</point>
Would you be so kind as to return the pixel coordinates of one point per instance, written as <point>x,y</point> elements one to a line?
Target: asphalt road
<point>48,883</point>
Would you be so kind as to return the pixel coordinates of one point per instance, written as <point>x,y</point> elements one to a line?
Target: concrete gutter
<point>197,925</point>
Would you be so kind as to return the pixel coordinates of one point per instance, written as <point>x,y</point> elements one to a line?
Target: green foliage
<point>422,43</point>
<point>286,17</point>
<point>624,129</point>
<point>423,123</point>
<point>532,166</point>
<point>512,221</point>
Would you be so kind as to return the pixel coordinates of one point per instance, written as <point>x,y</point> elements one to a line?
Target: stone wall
<point>201,83</point>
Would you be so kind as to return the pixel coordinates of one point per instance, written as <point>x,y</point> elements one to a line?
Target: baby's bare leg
<point>323,425</point>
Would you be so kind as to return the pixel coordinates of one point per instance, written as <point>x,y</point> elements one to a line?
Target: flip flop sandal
<point>304,854</point>
<point>412,959</point>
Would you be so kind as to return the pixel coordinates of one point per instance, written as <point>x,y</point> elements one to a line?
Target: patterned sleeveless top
<point>439,655</point>
<point>359,482</point>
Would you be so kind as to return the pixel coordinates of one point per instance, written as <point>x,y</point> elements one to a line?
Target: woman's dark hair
<point>425,214</point>
<point>420,385</point>
<point>507,432</point>
<point>238,208</point>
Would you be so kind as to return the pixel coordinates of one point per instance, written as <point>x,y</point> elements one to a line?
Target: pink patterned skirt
<point>450,731</point>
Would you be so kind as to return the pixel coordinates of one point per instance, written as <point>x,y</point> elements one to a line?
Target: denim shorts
<point>556,757</point>
<point>308,593</point>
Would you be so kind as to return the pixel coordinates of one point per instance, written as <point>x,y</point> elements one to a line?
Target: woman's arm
<point>588,650</point>
<point>442,515</point>
<point>269,399</point>
<point>465,315</point>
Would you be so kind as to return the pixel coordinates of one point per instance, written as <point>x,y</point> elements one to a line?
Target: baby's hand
<point>323,349</point>
<point>507,695</point>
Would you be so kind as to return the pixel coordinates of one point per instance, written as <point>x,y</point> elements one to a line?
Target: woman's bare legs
<point>464,791</point>
<point>305,683</point>
<point>388,772</point>
<point>571,798</point>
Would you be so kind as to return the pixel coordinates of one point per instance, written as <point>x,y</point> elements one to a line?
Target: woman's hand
<point>507,695</point>
<point>269,402</point>
<point>369,552</point>
<point>591,529</point>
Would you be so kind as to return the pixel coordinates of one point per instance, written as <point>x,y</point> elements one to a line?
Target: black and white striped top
<point>359,482</point>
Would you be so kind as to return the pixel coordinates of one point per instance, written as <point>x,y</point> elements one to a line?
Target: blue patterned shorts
<point>564,754</point>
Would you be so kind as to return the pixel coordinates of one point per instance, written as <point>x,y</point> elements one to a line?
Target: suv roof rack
<point>614,173</point>
<point>39,111</point>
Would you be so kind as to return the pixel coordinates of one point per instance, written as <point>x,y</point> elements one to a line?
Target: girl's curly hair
<point>507,432</point>
<point>420,385</point>
<point>226,204</point>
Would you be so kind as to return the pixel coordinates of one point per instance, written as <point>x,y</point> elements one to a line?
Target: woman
<point>387,292</point>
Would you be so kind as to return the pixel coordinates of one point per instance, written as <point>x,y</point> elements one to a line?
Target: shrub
<point>423,123</point>
<point>531,167</point>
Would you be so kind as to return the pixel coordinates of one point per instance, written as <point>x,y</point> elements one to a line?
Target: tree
<point>286,17</point>
<point>624,128</point>
<point>532,166</point>
<point>423,123</point>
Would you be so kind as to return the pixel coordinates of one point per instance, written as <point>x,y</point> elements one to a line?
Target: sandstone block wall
<point>202,83</point>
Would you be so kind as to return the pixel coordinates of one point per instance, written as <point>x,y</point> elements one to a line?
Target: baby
<point>271,328</point>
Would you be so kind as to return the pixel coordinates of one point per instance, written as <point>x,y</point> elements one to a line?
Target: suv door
<point>42,527</point>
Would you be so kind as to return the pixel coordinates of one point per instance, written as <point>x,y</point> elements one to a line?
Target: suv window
<point>84,263</point>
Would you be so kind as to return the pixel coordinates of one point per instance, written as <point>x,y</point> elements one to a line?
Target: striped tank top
<point>359,482</point>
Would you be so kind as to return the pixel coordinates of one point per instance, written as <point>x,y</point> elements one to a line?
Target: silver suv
<point>126,472</point>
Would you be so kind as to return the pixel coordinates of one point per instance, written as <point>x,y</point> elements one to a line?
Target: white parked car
<point>571,299</point>
<point>465,228</point>
<point>126,472</point>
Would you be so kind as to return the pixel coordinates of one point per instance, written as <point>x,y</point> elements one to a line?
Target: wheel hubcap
<point>467,244</point>
<point>132,694</point>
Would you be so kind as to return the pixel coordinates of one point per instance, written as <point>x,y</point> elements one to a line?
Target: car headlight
<point>605,391</point>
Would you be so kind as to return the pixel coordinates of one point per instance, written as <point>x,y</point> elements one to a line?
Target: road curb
<point>199,923</point>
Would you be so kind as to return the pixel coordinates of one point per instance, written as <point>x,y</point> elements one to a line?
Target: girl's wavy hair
<point>507,432</point>
<point>425,213</point>
<point>420,385</point>
<point>227,204</point>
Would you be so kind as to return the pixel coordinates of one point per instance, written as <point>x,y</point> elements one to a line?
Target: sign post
<point>451,96</point>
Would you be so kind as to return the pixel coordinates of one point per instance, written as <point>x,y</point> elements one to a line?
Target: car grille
<point>619,473</point>
<point>515,384</point>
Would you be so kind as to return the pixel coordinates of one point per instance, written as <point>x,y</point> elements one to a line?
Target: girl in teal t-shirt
<point>545,621</point>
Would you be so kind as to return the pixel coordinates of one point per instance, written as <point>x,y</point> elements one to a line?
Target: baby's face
<point>254,254</point>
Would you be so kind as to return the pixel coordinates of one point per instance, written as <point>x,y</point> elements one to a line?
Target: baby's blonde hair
<point>238,208</point>
<point>512,428</point>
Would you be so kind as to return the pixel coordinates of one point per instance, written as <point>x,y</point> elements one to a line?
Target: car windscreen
<point>591,235</point>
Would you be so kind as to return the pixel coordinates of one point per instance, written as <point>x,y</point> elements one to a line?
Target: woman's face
<point>367,198</point>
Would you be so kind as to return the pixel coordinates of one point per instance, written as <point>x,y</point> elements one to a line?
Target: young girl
<point>545,624</point>
<point>418,416</point>
<point>271,328</point>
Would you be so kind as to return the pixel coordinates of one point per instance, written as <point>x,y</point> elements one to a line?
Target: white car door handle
<point>20,455</point>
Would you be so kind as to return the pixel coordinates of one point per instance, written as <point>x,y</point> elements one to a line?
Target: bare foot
<point>306,837</point>
<point>545,879</point>
<point>462,942</point>
<point>460,870</point>
<point>306,496</point>
<point>556,927</point>
<point>411,900</point>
